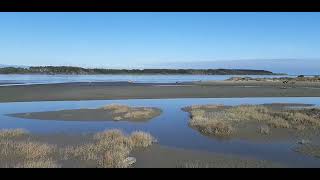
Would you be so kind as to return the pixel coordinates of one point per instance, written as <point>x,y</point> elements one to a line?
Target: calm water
<point>45,79</point>
<point>170,128</point>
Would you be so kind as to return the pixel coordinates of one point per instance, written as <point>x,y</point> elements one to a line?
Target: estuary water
<point>49,79</point>
<point>170,128</point>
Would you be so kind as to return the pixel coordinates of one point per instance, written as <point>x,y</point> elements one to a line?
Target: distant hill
<point>84,71</point>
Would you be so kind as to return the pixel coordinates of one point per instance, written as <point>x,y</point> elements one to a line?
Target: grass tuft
<point>13,133</point>
<point>218,121</point>
<point>121,112</point>
<point>141,139</point>
<point>111,148</point>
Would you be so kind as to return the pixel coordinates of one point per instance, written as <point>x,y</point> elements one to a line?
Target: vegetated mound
<point>229,121</point>
<point>121,112</point>
<point>108,149</point>
<point>115,112</point>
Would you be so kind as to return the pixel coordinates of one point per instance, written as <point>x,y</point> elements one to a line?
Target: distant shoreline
<point>68,70</point>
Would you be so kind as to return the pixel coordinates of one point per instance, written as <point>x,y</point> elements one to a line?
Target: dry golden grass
<point>118,108</point>
<point>298,118</point>
<point>208,119</point>
<point>248,113</point>
<point>278,123</point>
<point>121,112</point>
<point>38,164</point>
<point>143,114</point>
<point>208,106</point>
<point>109,134</point>
<point>210,124</point>
<point>141,139</point>
<point>12,133</point>
<point>109,149</point>
<point>25,153</point>
<point>105,155</point>
<point>115,107</point>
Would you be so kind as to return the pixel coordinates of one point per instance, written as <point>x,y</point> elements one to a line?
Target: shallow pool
<point>170,128</point>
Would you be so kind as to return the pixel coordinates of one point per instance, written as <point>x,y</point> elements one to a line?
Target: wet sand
<point>166,157</point>
<point>127,90</point>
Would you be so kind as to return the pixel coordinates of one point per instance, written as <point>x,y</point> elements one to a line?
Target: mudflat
<point>113,112</point>
<point>158,156</point>
<point>126,90</point>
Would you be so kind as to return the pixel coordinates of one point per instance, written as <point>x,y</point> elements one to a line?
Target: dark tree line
<point>79,71</point>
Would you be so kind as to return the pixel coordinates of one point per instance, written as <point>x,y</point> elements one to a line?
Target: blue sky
<point>148,39</point>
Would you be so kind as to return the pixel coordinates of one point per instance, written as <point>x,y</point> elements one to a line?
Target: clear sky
<point>142,39</point>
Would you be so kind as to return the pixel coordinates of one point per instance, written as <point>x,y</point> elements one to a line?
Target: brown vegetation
<point>221,120</point>
<point>24,153</point>
<point>109,149</point>
<point>120,112</point>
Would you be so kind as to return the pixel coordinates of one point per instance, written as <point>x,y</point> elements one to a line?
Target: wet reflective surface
<point>170,128</point>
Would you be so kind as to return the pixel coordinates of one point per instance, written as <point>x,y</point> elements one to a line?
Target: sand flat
<point>158,156</point>
<point>136,114</point>
<point>104,91</point>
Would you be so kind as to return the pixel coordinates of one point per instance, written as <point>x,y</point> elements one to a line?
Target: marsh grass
<point>108,149</point>
<point>141,139</point>
<point>218,121</point>
<point>210,124</point>
<point>204,107</point>
<point>13,133</point>
<point>26,153</point>
<point>121,112</point>
<point>23,153</point>
<point>111,148</point>
<point>38,164</point>
<point>117,108</point>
